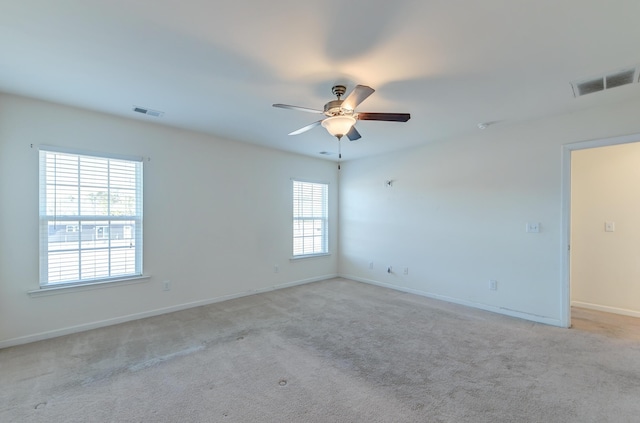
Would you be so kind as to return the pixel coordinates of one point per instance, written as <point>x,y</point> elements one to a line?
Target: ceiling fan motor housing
<point>334,108</point>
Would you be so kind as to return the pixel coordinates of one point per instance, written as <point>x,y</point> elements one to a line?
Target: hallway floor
<point>608,324</point>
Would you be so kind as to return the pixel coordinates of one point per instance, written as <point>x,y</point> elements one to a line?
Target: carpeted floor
<point>332,351</point>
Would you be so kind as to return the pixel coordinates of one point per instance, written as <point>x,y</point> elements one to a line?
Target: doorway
<point>600,236</point>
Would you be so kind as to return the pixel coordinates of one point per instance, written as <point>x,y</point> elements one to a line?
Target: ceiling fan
<point>341,116</point>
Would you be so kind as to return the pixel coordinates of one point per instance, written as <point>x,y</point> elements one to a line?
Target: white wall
<point>605,187</point>
<point>217,218</point>
<point>456,213</point>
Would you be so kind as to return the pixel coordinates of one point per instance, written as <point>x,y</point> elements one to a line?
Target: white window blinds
<point>310,218</point>
<point>90,217</point>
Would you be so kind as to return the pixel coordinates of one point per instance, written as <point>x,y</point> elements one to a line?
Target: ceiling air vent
<point>145,111</point>
<point>605,82</point>
<point>620,78</point>
<point>588,87</point>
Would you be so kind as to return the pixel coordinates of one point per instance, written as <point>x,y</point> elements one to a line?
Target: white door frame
<point>565,318</point>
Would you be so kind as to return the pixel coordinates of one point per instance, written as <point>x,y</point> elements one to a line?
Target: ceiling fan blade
<point>388,117</point>
<point>357,96</point>
<point>353,134</point>
<point>302,109</point>
<point>306,128</point>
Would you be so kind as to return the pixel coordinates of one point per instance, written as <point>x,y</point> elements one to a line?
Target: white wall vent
<point>605,82</point>
<point>145,111</point>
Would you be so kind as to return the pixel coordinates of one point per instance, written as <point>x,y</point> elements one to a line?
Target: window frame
<point>323,217</point>
<point>95,220</point>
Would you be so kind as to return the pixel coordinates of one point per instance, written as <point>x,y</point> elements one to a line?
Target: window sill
<point>309,256</point>
<point>64,289</point>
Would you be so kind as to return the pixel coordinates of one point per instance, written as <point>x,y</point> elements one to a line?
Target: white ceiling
<point>218,66</point>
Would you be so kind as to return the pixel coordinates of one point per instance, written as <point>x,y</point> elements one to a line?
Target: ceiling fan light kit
<point>338,126</point>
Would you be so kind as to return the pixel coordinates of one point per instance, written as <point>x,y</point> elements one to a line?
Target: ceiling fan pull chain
<point>339,152</point>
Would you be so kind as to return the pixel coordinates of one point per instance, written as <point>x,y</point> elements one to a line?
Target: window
<point>90,217</point>
<point>310,219</point>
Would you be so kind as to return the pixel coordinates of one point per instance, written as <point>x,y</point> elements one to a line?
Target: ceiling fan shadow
<point>201,58</point>
<point>351,35</point>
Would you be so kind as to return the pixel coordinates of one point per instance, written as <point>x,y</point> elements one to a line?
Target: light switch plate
<point>533,227</point>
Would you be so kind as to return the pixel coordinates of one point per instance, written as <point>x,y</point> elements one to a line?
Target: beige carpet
<point>333,351</point>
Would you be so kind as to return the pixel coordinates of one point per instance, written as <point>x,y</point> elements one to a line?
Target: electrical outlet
<point>493,285</point>
<point>166,286</point>
<point>406,271</point>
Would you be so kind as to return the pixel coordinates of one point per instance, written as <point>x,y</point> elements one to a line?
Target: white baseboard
<point>607,309</point>
<point>486,307</point>
<point>122,319</point>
